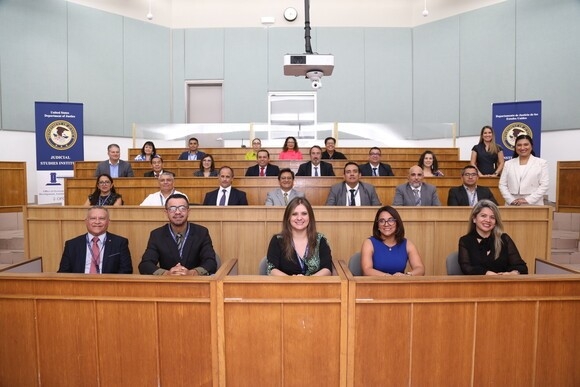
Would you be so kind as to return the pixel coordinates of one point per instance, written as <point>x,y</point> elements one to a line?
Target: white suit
<point>529,182</point>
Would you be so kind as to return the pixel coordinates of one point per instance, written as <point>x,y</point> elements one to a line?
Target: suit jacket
<point>532,185</point>
<point>276,197</point>
<point>152,174</point>
<point>162,252</point>
<point>384,170</point>
<point>237,198</point>
<point>335,156</point>
<point>367,192</point>
<point>271,170</point>
<point>404,195</point>
<point>125,169</point>
<point>116,255</point>
<point>185,155</point>
<point>325,169</point>
<point>458,196</point>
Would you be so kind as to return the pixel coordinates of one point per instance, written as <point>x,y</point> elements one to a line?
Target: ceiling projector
<point>311,66</point>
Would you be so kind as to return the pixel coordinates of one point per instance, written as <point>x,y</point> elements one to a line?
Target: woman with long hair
<point>206,167</point>
<point>487,156</point>
<point>299,249</point>
<point>290,150</point>
<point>428,162</point>
<point>486,249</point>
<point>104,193</point>
<point>147,151</point>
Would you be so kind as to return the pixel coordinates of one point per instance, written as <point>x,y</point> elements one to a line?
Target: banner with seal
<point>510,119</point>
<point>59,143</point>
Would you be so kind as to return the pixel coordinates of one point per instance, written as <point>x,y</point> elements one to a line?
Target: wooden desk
<point>244,232</point>
<point>135,190</point>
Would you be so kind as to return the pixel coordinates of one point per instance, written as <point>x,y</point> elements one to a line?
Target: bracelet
<point>409,273</point>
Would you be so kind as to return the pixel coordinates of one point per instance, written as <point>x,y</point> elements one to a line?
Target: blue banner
<point>510,119</point>
<point>59,135</point>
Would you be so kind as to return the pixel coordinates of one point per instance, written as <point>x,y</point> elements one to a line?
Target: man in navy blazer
<point>114,166</point>
<point>263,158</point>
<point>179,248</point>
<point>315,167</point>
<point>114,255</point>
<point>416,192</point>
<point>374,167</point>
<point>233,197</point>
<point>193,153</point>
<point>469,193</point>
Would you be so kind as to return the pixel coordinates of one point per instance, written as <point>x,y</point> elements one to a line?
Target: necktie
<point>95,256</point>
<point>417,197</point>
<point>315,171</point>
<point>223,198</point>
<point>286,198</point>
<point>179,241</point>
<point>375,172</point>
<point>352,199</point>
<point>262,171</point>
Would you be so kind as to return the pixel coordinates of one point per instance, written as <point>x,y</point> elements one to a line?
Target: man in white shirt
<point>166,189</point>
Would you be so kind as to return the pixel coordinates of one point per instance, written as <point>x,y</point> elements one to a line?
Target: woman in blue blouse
<point>388,251</point>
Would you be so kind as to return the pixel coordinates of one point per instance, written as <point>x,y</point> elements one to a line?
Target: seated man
<point>469,193</point>
<point>263,168</point>
<point>179,247</point>
<point>114,166</point>
<point>374,167</point>
<point>282,196</point>
<point>225,195</point>
<point>331,153</point>
<point>157,167</point>
<point>352,192</point>
<point>192,153</point>
<point>97,251</point>
<point>315,167</point>
<point>166,189</point>
<point>415,192</point>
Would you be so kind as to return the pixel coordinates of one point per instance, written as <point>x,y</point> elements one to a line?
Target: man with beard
<point>179,248</point>
<point>352,192</point>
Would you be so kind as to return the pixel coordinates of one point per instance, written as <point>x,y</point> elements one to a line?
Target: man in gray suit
<point>114,166</point>
<point>286,192</point>
<point>352,192</point>
<point>415,192</point>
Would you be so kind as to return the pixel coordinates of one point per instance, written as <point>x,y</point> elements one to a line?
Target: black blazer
<point>161,251</point>
<point>271,170</point>
<point>458,196</point>
<point>152,174</point>
<point>384,170</point>
<point>305,169</point>
<point>185,155</point>
<point>237,198</point>
<point>116,255</point>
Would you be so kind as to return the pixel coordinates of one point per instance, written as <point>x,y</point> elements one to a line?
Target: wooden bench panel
<point>567,187</point>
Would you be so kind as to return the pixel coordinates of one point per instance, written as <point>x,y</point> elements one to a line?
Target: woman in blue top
<point>388,251</point>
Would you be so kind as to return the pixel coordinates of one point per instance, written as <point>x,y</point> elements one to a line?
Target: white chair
<point>452,264</point>
<point>354,264</point>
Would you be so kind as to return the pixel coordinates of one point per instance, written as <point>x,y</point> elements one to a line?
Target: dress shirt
<point>356,195</point>
<point>89,257</point>
<point>221,192</point>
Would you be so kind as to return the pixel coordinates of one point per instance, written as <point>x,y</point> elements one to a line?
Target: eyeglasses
<point>104,182</point>
<point>374,154</point>
<point>94,219</point>
<point>286,178</point>
<point>470,174</point>
<point>174,209</point>
<point>389,221</point>
<point>257,143</point>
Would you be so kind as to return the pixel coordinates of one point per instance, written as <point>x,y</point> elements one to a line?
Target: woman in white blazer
<point>524,180</point>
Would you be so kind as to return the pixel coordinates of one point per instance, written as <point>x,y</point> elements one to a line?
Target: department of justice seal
<point>60,135</point>
<point>512,131</point>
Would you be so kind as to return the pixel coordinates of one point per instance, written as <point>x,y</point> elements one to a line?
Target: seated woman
<point>147,151</point>
<point>206,167</point>
<point>299,249</point>
<point>290,150</point>
<point>388,251</point>
<point>104,194</point>
<point>486,249</point>
<point>429,163</point>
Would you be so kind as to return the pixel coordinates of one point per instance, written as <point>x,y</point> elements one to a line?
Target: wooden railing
<point>568,189</point>
<point>135,190</point>
<point>244,232</point>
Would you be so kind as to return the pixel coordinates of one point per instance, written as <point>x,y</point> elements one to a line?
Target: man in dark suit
<point>374,167</point>
<point>179,248</point>
<point>416,192</point>
<point>225,195</point>
<point>352,192</point>
<point>114,166</point>
<point>315,167</point>
<point>469,193</point>
<point>263,168</point>
<point>193,153</point>
<point>157,167</point>
<point>97,251</point>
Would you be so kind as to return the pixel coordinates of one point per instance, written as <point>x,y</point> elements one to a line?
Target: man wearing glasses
<point>179,248</point>
<point>282,196</point>
<point>256,146</point>
<point>469,193</point>
<point>374,167</point>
